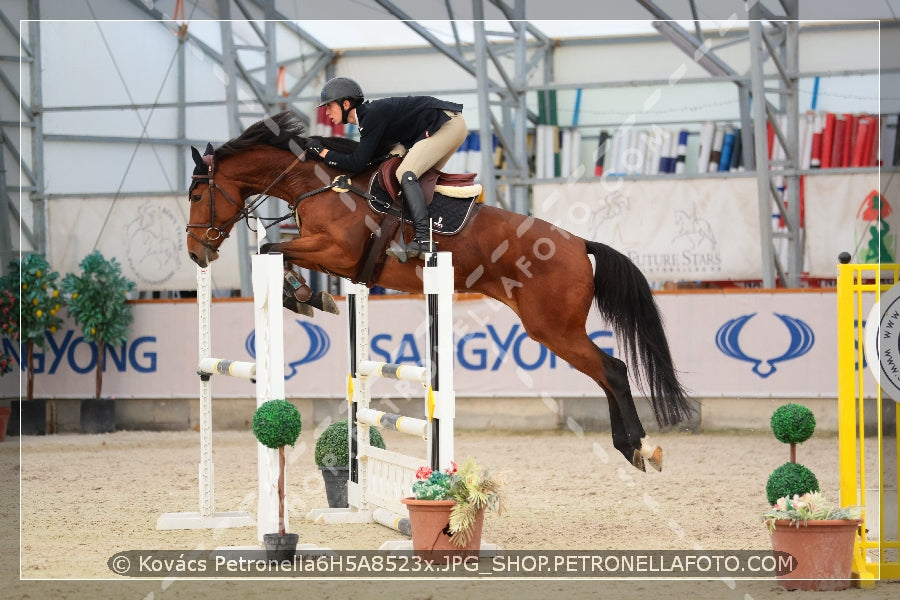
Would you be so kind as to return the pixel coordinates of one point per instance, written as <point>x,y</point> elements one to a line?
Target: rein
<point>340,184</point>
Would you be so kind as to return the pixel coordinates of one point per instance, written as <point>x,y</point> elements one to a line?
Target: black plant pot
<point>280,547</point>
<point>336,485</point>
<point>98,415</point>
<point>33,415</point>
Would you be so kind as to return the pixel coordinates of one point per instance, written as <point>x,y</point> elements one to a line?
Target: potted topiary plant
<point>36,302</point>
<point>792,424</point>
<point>276,424</point>
<point>97,302</point>
<point>332,456</point>
<point>818,535</point>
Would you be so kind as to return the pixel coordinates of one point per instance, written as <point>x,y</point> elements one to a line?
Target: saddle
<point>454,185</point>
<point>452,200</point>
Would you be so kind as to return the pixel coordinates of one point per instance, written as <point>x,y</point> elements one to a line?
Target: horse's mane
<point>284,130</point>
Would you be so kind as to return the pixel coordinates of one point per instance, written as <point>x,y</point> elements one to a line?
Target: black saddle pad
<point>448,215</point>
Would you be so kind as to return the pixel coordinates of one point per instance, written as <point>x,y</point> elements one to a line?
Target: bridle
<point>212,232</point>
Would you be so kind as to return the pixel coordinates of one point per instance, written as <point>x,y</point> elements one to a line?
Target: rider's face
<point>333,112</point>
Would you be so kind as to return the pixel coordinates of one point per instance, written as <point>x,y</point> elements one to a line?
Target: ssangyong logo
<point>802,339</point>
<point>319,343</point>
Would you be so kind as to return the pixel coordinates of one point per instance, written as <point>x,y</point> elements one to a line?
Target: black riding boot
<point>418,212</point>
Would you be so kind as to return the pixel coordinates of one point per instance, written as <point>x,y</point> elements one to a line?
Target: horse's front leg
<point>298,296</point>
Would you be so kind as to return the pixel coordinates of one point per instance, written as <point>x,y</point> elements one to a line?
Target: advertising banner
<point>692,229</point>
<point>847,213</point>
<point>737,344</point>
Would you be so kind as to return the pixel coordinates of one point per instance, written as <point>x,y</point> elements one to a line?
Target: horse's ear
<point>195,154</point>
<point>209,149</point>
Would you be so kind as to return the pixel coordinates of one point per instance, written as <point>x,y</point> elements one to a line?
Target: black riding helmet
<point>339,88</point>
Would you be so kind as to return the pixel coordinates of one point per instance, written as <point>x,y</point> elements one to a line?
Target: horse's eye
<point>195,198</point>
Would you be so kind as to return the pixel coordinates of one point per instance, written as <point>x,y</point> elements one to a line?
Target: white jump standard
<point>267,373</point>
<point>379,479</point>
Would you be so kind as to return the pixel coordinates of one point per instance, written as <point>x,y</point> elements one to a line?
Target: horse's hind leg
<point>628,433</point>
<point>571,343</point>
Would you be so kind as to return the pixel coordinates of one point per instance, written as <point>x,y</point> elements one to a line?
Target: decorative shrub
<point>793,423</point>
<point>9,322</point>
<point>331,447</point>
<point>36,301</point>
<point>97,301</point>
<point>790,479</point>
<point>277,423</point>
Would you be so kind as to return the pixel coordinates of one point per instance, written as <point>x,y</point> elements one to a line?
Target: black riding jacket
<point>383,123</point>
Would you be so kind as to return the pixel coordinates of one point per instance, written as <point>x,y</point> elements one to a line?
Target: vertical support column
<point>267,292</point>
<point>761,152</point>
<point>358,309</point>
<point>847,462</point>
<point>352,384</point>
<point>207,477</point>
<point>441,400</point>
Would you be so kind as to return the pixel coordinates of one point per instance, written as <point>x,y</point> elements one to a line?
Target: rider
<point>431,129</point>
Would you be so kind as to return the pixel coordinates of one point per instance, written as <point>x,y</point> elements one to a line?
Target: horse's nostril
<point>193,256</point>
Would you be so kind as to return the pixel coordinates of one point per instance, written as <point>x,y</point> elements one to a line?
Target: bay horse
<point>540,271</point>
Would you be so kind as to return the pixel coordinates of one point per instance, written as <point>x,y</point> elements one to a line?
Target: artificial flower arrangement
<point>810,506</point>
<point>471,487</point>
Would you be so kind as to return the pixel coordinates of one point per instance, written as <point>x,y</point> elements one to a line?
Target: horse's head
<point>216,205</point>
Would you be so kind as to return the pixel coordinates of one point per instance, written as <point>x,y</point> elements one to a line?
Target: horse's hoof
<point>306,310</point>
<point>637,461</point>
<point>327,304</point>
<point>656,458</point>
<point>300,308</point>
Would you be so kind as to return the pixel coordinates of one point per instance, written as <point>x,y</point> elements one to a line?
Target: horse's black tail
<point>626,301</point>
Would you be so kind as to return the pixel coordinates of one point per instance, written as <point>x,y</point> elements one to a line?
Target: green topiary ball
<point>277,423</point>
<point>332,449</point>
<point>793,423</point>
<point>789,479</point>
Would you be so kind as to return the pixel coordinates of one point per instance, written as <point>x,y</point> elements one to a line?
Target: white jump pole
<point>267,293</point>
<point>206,517</point>
<point>438,283</point>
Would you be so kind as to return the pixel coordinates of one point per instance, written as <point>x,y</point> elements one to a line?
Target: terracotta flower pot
<point>430,524</point>
<point>5,413</point>
<point>823,551</point>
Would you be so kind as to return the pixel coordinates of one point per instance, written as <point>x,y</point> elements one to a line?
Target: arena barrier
<point>267,373</point>
<point>378,479</point>
<point>876,552</point>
